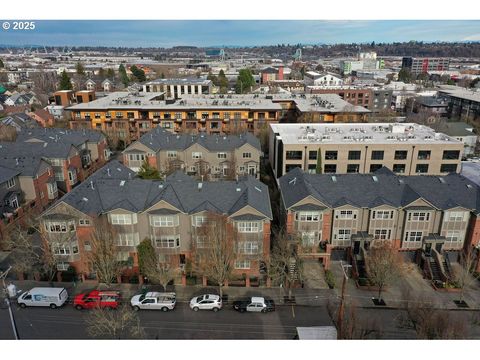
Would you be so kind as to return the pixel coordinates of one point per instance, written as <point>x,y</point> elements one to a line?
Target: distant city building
<point>312,78</point>
<point>462,132</point>
<point>425,65</point>
<point>271,74</point>
<point>406,148</point>
<point>178,87</point>
<point>463,104</point>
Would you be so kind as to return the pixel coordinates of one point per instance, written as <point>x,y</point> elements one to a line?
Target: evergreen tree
<point>80,68</point>
<point>65,83</point>
<point>123,75</point>
<point>404,75</point>
<point>111,73</point>
<point>245,81</point>
<point>222,82</point>
<point>148,172</point>
<point>2,65</point>
<point>101,72</point>
<point>138,73</point>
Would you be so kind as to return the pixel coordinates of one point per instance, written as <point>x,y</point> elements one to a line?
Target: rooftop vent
<point>200,185</point>
<point>442,180</point>
<point>108,172</point>
<point>293,181</point>
<point>91,185</point>
<point>375,179</point>
<point>258,189</point>
<point>469,186</point>
<point>334,178</point>
<point>238,189</point>
<point>85,199</point>
<point>160,186</point>
<point>122,183</point>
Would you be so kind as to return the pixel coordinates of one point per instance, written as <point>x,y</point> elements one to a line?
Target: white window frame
<point>308,216</point>
<point>344,234</point>
<point>201,242</point>
<point>10,183</point>
<point>242,264</point>
<point>172,154</point>
<point>123,255</point>
<point>247,155</point>
<point>61,249</point>
<point>63,265</point>
<point>382,234</point>
<point>199,220</point>
<point>382,214</point>
<point>171,242</point>
<point>164,220</point>
<point>346,214</point>
<point>309,238</point>
<point>197,155</point>
<point>249,226</point>
<point>414,236</point>
<point>123,219</point>
<point>249,247</point>
<point>128,239</point>
<point>419,216</point>
<point>221,155</point>
<point>455,215</point>
<point>84,222</point>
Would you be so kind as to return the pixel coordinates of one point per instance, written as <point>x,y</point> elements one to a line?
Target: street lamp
<point>7,300</point>
<point>341,308</point>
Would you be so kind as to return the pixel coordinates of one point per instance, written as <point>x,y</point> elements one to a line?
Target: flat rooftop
<point>323,103</point>
<point>156,100</point>
<point>376,133</point>
<point>472,95</point>
<point>184,81</point>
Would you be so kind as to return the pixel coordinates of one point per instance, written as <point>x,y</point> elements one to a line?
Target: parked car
<point>97,299</point>
<point>254,304</point>
<point>52,297</point>
<point>154,301</point>
<point>206,302</point>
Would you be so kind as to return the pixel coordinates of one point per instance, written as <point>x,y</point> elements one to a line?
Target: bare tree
<point>44,83</point>
<point>232,169</point>
<point>383,264</point>
<point>216,256</point>
<point>466,276</point>
<point>284,266</point>
<point>104,254</point>
<point>122,323</point>
<point>7,133</point>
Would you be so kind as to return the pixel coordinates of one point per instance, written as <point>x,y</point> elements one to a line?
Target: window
<point>382,234</point>
<point>205,115</point>
<point>294,155</point>
<point>451,155</point>
<point>199,220</point>
<point>87,246</point>
<point>196,155</point>
<point>201,241</point>
<point>118,115</point>
<point>62,266</point>
<point>60,249</point>
<point>72,177</point>
<point>242,264</point>
<point>11,183</point>
<point>222,155</point>
<point>237,115</point>
<point>330,168</point>
<point>414,236</point>
<point>289,167</point>
<point>424,155</point>
<point>226,115</point>
<point>178,116</point>
<point>312,155</point>
<point>122,255</point>
<point>377,155</point>
<point>132,239</point>
<point>168,241</point>
<point>421,168</point>
<point>354,155</point>
<point>247,155</point>
<point>136,157</point>
<point>84,222</point>
<point>309,238</point>
<point>399,168</point>
<point>249,226</point>
<point>418,216</point>
<point>455,216</point>
<point>123,219</point>
<point>375,167</point>
<point>453,236</point>
<point>167,115</point>
<point>164,221</point>
<point>344,234</point>
<point>59,227</point>
<point>171,154</point>
<point>382,214</point>
<point>401,154</point>
<point>312,169</point>
<point>448,168</point>
<point>353,168</point>
<point>248,247</point>
<point>59,176</point>
<point>309,216</point>
<point>331,155</point>
<point>346,214</point>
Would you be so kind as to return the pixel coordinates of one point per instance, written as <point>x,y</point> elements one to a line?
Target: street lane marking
<point>293,312</point>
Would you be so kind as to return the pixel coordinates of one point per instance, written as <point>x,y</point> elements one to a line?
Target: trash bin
<point>11,290</point>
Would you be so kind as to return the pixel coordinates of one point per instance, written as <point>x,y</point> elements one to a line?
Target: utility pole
<point>341,308</point>
<point>7,299</point>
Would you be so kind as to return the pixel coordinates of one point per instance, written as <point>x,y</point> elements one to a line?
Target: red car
<point>97,299</point>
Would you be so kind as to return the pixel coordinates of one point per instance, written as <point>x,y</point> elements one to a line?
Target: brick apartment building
<point>168,212</point>
<point>212,156</point>
<point>430,213</point>
<point>406,148</point>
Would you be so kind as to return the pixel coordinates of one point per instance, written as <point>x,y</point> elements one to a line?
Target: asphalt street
<point>181,323</point>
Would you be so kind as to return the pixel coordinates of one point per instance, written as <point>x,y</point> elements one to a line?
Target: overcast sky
<point>144,33</point>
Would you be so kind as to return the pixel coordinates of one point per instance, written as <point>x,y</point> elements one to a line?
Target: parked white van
<point>43,296</point>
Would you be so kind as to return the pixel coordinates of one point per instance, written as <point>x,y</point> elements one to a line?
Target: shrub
<point>330,279</point>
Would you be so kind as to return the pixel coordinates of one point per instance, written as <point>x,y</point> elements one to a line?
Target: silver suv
<point>206,302</point>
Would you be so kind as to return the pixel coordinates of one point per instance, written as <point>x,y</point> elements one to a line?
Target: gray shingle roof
<point>75,137</point>
<point>59,150</point>
<point>161,139</point>
<point>6,174</point>
<point>121,189</point>
<point>25,165</point>
<point>381,187</point>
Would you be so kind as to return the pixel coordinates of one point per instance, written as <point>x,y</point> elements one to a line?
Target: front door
<point>428,249</point>
<point>438,246</point>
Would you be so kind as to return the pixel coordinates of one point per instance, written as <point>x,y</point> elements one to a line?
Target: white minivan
<point>43,296</point>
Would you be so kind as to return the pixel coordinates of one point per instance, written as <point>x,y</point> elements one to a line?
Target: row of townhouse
<point>169,212</point>
<point>430,213</point>
<point>73,154</point>
<point>404,148</point>
<point>129,115</point>
<point>211,156</point>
